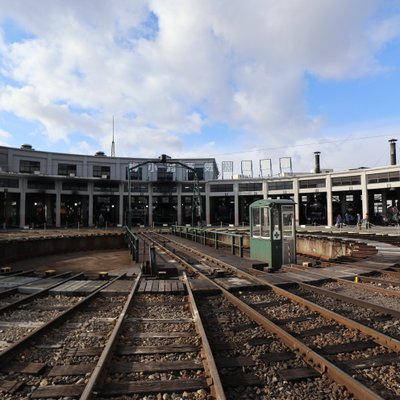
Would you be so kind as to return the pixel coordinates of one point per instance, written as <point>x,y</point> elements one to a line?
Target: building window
<point>101,171</point>
<point>346,180</point>
<point>250,187</point>
<point>199,173</point>
<point>67,169</point>
<point>221,188</point>
<point>188,188</point>
<point>136,174</point>
<point>106,187</point>
<point>42,184</point>
<point>163,174</point>
<point>139,188</point>
<point>312,183</point>
<point>280,185</point>
<point>29,167</point>
<point>384,177</point>
<point>9,183</point>
<point>164,188</point>
<point>78,186</point>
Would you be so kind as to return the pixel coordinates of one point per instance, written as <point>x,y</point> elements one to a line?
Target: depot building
<point>43,189</point>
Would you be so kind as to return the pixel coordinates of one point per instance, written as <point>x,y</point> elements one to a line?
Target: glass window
<point>163,174</point>
<point>265,225</point>
<point>9,183</point>
<point>312,183</point>
<point>29,167</point>
<point>250,187</point>
<point>75,185</point>
<point>136,174</point>
<point>256,222</point>
<point>280,185</point>
<point>346,180</point>
<point>67,169</point>
<point>199,173</point>
<point>221,188</point>
<point>101,171</point>
<point>106,187</point>
<point>287,221</point>
<point>42,184</point>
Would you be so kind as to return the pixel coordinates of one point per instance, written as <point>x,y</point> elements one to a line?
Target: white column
<point>90,217</point>
<point>179,204</point>
<point>22,203</point>
<point>364,194</point>
<point>265,190</point>
<point>121,203</point>
<point>296,196</point>
<point>58,204</point>
<point>236,203</point>
<point>150,204</point>
<point>208,211</point>
<point>329,208</point>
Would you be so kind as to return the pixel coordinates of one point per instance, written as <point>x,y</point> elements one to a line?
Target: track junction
<point>200,323</point>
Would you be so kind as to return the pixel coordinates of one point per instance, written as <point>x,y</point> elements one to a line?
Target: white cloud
<point>4,137</point>
<point>167,68</point>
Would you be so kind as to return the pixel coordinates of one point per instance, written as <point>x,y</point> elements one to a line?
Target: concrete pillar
<point>90,217</point>
<point>342,203</point>
<point>179,204</point>
<point>384,202</point>
<point>208,204</point>
<point>265,190</point>
<point>22,202</point>
<point>329,208</point>
<point>236,203</point>
<point>296,197</point>
<point>58,204</point>
<point>121,204</point>
<point>364,194</point>
<point>150,204</point>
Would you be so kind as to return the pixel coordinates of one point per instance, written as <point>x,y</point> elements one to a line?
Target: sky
<point>229,79</point>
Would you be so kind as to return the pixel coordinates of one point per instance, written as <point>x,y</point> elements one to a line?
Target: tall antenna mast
<point>113,142</point>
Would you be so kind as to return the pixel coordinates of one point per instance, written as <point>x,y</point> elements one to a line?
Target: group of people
<point>347,219</point>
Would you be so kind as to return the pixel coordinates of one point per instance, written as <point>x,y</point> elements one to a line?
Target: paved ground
<point>114,261</point>
<point>86,261</point>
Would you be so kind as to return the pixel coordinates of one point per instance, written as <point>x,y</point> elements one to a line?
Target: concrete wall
<point>325,248</point>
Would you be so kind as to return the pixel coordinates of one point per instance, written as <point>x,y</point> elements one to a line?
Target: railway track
<point>52,347</point>
<point>212,332</point>
<point>349,348</point>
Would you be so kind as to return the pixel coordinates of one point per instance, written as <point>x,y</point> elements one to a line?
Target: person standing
<point>366,220</point>
<point>359,220</point>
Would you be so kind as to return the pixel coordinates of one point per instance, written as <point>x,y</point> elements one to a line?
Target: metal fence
<point>209,237</point>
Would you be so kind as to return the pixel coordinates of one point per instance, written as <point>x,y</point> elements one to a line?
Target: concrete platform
<point>118,288</point>
<point>39,285</point>
<point>77,287</point>
<point>16,281</point>
<point>286,276</point>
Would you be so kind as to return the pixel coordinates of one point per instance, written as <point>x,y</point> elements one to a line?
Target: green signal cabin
<point>272,231</point>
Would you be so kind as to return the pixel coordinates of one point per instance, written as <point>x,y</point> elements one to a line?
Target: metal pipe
<point>393,151</point>
<point>317,168</point>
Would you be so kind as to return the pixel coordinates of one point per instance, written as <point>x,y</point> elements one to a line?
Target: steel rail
<point>384,340</point>
<point>368,288</point>
<point>37,294</point>
<point>368,278</point>
<point>97,376</point>
<point>306,353</point>
<point>352,300</point>
<point>15,273</point>
<point>214,380</point>
<point>24,341</point>
<point>11,289</point>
